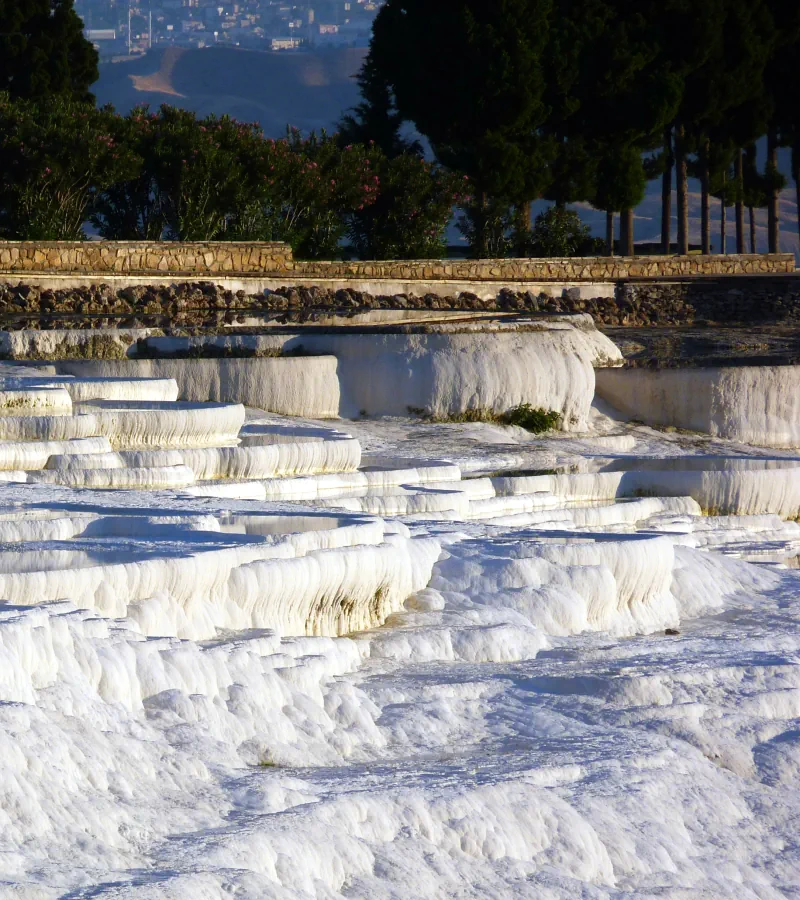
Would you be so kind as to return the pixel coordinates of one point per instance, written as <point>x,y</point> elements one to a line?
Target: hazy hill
<point>305,89</point>
<point>311,90</point>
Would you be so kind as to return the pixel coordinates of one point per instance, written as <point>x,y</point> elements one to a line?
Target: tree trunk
<point>796,176</point>
<point>609,232</point>
<point>623,233</point>
<point>723,229</point>
<point>480,227</point>
<point>682,185</point>
<point>522,229</point>
<point>773,216</point>
<point>705,202</point>
<point>626,231</point>
<point>666,193</point>
<point>752,214</point>
<point>739,202</point>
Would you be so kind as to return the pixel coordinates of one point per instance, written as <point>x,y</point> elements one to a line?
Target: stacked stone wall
<point>143,258</point>
<point>202,260</point>
<point>569,269</point>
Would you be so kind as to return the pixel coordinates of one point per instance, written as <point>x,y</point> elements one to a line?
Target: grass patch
<point>534,419</point>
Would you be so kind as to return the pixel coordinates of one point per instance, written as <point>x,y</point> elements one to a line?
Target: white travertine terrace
<point>110,460</point>
<point>35,454</point>
<point>290,386</point>
<point>739,489</point>
<point>240,656</point>
<point>48,400</point>
<point>28,380</point>
<point>443,370</point>
<point>445,373</point>
<point>151,478</point>
<point>62,343</point>
<point>751,404</point>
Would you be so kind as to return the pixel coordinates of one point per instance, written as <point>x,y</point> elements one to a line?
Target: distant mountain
<point>311,89</point>
<point>306,89</point>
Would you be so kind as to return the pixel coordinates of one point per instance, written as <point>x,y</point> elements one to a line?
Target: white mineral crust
<point>251,656</point>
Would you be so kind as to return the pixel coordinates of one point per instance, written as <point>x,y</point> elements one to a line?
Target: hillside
<point>308,90</point>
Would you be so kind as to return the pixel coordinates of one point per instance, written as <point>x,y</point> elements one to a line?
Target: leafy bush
<point>130,209</point>
<point>54,156</point>
<point>170,174</point>
<point>308,188</point>
<point>534,419</point>
<point>410,213</point>
<point>487,228</point>
<point>560,232</point>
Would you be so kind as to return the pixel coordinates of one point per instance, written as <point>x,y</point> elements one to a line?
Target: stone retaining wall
<point>571,269</point>
<point>202,260</point>
<point>143,258</point>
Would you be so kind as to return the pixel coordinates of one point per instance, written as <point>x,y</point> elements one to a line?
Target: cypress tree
<point>376,119</point>
<point>474,88</point>
<point>690,32</point>
<point>782,93</point>
<point>43,52</point>
<point>626,96</point>
<point>620,186</point>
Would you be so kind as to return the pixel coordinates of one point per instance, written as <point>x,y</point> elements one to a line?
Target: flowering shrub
<point>169,174</point>
<point>130,209</point>
<point>54,156</point>
<point>307,187</point>
<point>410,213</point>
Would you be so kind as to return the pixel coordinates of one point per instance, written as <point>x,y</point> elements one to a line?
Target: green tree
<point>754,189</point>
<point>43,51</point>
<point>474,89</point>
<point>613,101</point>
<point>782,99</point>
<point>619,187</point>
<point>376,120</point>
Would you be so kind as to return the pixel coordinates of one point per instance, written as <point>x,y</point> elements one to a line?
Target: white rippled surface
<point>236,662</point>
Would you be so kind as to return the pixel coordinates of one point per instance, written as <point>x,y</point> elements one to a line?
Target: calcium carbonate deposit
<point>252,656</point>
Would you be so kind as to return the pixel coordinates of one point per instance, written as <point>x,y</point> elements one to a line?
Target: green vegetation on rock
<point>534,419</point>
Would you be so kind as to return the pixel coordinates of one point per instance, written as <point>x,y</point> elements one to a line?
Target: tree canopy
<point>565,99</point>
<point>43,52</point>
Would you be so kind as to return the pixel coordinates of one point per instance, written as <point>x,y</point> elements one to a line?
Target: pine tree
<point>43,52</point>
<point>690,44</point>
